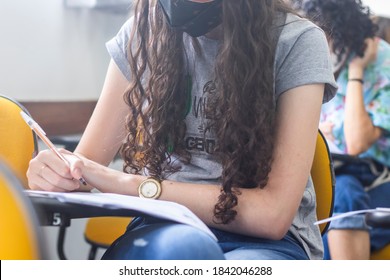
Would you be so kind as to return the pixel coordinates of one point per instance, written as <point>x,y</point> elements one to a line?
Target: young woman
<point>357,121</point>
<point>221,103</point>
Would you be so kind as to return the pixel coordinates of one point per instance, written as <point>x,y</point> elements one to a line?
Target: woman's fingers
<point>57,181</point>
<point>41,183</point>
<point>370,54</point>
<point>48,172</point>
<point>76,165</point>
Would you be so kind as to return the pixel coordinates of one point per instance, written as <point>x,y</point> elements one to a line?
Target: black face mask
<point>194,18</point>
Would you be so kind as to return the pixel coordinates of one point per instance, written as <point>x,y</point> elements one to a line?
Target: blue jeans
<point>151,239</point>
<point>350,195</point>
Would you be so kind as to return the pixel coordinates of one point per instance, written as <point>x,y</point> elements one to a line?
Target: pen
<point>42,134</point>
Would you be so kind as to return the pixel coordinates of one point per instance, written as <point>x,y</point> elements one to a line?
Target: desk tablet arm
<point>378,219</point>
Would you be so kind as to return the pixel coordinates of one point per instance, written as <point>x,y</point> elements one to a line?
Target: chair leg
<point>60,242</point>
<point>92,253</point>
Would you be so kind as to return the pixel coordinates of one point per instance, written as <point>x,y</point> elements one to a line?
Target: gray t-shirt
<point>302,57</point>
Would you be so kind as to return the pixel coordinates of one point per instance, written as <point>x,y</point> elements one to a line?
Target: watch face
<point>149,189</point>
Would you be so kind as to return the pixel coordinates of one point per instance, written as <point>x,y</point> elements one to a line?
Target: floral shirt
<point>376,99</point>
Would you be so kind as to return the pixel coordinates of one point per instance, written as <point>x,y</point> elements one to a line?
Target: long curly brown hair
<point>243,111</point>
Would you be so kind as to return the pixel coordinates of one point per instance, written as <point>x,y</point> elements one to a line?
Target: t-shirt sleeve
<point>117,48</point>
<point>305,59</point>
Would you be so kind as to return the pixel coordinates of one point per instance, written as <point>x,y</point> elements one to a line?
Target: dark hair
<point>347,22</point>
<point>243,118</point>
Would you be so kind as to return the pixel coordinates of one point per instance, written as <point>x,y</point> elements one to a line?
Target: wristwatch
<point>150,188</point>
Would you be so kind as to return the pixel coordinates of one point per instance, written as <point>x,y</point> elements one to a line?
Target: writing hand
<point>50,173</point>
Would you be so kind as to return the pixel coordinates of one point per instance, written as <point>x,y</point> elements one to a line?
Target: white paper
<point>156,208</point>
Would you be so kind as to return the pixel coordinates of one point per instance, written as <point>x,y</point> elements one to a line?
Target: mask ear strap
<point>188,85</point>
<point>188,93</point>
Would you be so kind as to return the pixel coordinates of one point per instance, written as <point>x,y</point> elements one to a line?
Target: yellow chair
<point>20,236</point>
<point>18,143</point>
<point>322,174</point>
<point>101,232</point>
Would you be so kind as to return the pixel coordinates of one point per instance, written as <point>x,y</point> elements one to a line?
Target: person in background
<point>208,113</point>
<point>356,122</point>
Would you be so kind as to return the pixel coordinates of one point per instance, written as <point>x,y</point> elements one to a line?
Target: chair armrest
<point>378,219</point>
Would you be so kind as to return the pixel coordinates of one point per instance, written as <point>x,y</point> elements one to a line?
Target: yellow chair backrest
<point>18,143</point>
<point>20,238</point>
<point>322,174</point>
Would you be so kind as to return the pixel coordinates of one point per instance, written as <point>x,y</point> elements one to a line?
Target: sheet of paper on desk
<point>156,208</point>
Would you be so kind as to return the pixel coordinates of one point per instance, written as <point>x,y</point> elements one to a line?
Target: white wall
<point>51,52</point>
<point>378,7</point>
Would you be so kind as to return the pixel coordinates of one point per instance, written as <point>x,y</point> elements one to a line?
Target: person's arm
<point>106,129</point>
<point>360,133</point>
<point>264,212</point>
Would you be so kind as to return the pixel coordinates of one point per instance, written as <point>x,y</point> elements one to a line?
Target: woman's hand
<point>49,173</point>
<point>370,54</point>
